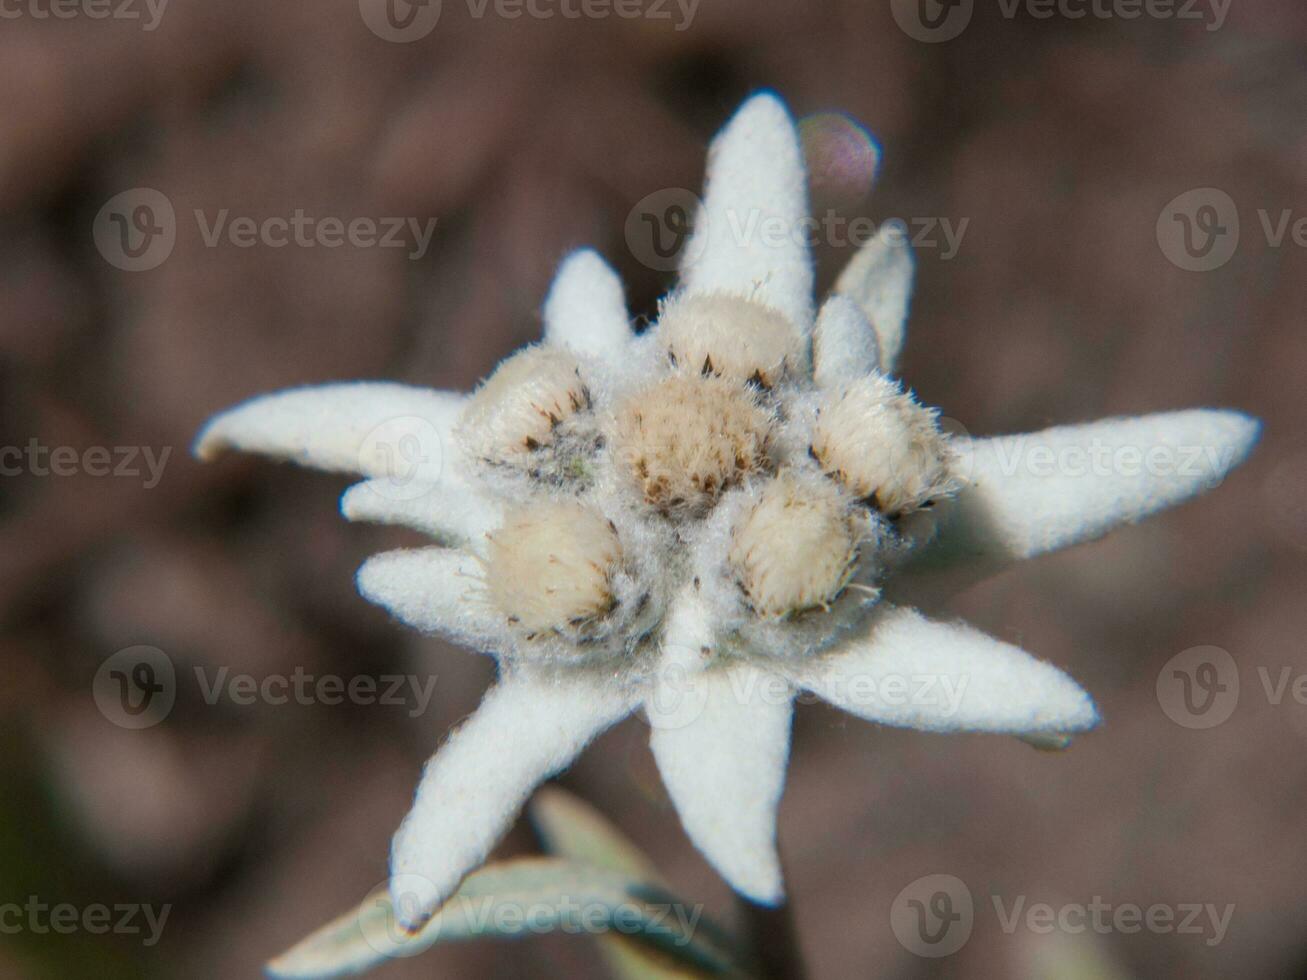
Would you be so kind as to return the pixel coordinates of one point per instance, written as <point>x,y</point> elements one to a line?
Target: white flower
<point>706,519</point>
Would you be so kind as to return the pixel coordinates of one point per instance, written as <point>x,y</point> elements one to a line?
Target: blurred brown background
<point>1060,140</point>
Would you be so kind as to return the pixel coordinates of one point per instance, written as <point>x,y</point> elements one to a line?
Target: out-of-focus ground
<point>1058,140</point>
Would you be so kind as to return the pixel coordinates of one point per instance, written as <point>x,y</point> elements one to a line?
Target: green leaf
<point>515,898</point>
<point>575,830</point>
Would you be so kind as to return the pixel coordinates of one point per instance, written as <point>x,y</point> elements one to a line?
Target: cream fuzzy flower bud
<point>518,409</point>
<point>796,548</point>
<point>686,439</point>
<point>550,567</point>
<point>730,336</point>
<point>884,447</point>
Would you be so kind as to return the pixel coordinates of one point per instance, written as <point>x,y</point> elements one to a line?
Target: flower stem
<point>773,939</point>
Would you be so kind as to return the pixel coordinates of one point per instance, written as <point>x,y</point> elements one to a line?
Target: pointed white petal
<point>879,278</point>
<point>750,235</point>
<point>1029,494</point>
<point>449,510</point>
<point>373,428</point>
<point>844,345</point>
<point>721,738</point>
<point>528,728</point>
<point>585,310</point>
<point>436,590</point>
<point>942,677</point>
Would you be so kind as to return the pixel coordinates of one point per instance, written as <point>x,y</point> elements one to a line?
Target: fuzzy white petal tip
<point>431,589</point>
<point>721,738</point>
<point>526,729</point>
<point>749,235</point>
<point>947,677</point>
<point>879,278</point>
<point>844,343</point>
<point>371,428</point>
<point>448,511</point>
<point>1029,494</point>
<point>585,310</point>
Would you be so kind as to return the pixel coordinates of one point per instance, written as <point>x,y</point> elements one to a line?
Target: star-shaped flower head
<point>703,520</point>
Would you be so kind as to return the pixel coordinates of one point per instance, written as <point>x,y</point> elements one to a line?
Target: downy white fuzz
<point>686,439</point>
<point>519,409</point>
<point>698,543</point>
<point>730,336</point>
<point>883,447</point>
<point>550,568</point>
<point>796,547</point>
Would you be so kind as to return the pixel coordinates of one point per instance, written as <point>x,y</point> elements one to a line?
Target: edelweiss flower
<point>703,520</point>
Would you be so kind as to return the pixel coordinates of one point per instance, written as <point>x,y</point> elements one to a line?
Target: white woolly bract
<point>550,567</point>
<point>737,338</point>
<point>883,446</point>
<point>519,408</point>
<point>685,440</point>
<point>796,546</point>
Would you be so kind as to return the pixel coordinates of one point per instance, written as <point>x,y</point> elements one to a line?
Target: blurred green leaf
<point>573,829</point>
<point>512,899</point>
<point>1061,956</point>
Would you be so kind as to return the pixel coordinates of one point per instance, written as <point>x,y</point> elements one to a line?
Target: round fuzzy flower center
<point>729,336</point>
<point>796,548</point>
<point>883,447</point>
<point>687,439</point>
<point>550,568</point>
<point>521,407</point>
